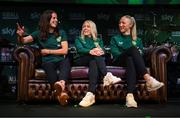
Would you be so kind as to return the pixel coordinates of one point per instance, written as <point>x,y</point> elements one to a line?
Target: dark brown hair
<point>44,24</point>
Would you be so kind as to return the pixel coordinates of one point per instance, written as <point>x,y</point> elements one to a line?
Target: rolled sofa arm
<point>159,58</point>
<point>25,56</point>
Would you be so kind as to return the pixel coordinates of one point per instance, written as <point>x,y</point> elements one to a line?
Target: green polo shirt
<point>83,46</point>
<point>120,43</point>
<point>52,42</point>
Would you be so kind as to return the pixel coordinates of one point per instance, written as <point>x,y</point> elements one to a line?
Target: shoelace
<point>87,97</point>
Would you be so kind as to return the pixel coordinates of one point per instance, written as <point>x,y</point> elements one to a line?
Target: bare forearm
<point>58,51</point>
<point>26,39</point>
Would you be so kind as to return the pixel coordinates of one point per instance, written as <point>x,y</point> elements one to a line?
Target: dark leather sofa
<point>33,85</point>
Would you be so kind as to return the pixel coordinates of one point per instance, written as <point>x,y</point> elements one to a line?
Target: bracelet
<point>20,39</point>
<point>49,51</point>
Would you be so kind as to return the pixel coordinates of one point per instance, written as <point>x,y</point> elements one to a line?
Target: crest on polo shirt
<point>58,39</point>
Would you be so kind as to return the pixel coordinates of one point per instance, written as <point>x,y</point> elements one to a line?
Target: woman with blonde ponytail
<point>127,50</point>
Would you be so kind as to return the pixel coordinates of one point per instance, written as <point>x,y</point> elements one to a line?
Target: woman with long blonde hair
<point>90,52</point>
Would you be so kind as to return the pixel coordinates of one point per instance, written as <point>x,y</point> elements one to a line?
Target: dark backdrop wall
<point>125,2</point>
<point>155,23</point>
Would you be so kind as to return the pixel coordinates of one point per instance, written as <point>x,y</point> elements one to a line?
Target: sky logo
<point>103,16</point>
<point>76,16</point>
<point>10,15</point>
<point>35,15</point>
<point>8,31</point>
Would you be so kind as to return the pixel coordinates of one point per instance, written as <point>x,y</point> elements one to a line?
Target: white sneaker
<point>110,79</point>
<point>153,84</point>
<point>130,102</point>
<point>88,100</point>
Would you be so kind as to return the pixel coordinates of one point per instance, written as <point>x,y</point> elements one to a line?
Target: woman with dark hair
<point>54,48</point>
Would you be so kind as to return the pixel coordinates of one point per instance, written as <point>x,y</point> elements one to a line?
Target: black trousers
<point>57,71</point>
<point>97,68</point>
<point>132,59</point>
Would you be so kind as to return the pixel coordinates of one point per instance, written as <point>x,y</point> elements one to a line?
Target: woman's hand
<point>97,52</point>
<point>20,30</point>
<point>45,52</point>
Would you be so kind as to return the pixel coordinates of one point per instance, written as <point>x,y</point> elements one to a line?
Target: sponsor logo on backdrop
<point>175,33</point>
<point>35,15</point>
<point>139,17</point>
<point>112,32</point>
<point>77,16</point>
<point>10,15</point>
<point>8,31</point>
<point>73,33</point>
<point>167,17</point>
<point>103,16</point>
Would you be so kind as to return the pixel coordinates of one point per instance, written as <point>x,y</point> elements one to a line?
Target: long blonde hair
<point>92,27</point>
<point>133,28</point>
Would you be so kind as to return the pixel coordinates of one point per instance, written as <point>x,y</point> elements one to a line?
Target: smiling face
<point>86,29</point>
<point>125,25</point>
<point>53,20</point>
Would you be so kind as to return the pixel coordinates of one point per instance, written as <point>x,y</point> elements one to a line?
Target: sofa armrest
<point>25,56</point>
<point>159,58</point>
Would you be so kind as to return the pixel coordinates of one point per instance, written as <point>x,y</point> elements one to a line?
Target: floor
<point>14,109</point>
<point>11,108</point>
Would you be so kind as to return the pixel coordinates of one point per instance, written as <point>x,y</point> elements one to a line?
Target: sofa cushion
<point>78,72</point>
<point>81,72</point>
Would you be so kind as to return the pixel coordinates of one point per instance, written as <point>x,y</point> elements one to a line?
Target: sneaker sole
<point>63,99</point>
<point>116,81</point>
<point>131,106</point>
<point>149,89</point>
<point>111,83</point>
<point>87,105</point>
